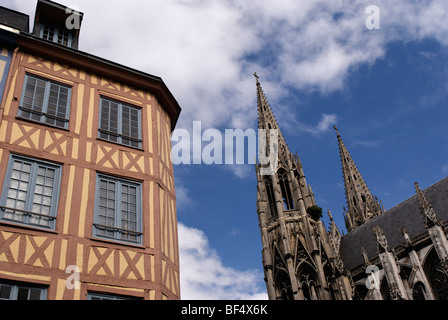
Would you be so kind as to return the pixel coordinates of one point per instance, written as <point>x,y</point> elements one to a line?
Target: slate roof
<point>14,19</point>
<point>405,214</point>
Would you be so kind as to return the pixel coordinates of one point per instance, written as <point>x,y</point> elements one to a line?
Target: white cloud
<point>182,198</point>
<point>205,277</point>
<point>326,122</point>
<point>445,168</point>
<point>207,50</point>
<point>367,144</point>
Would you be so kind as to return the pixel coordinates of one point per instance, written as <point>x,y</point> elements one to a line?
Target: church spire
<point>267,121</point>
<point>362,205</point>
<point>295,242</point>
<point>266,118</point>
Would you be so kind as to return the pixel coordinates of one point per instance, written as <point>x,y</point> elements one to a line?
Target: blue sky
<point>386,89</point>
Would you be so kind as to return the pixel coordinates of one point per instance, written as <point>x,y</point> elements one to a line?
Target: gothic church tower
<point>362,205</point>
<point>301,261</point>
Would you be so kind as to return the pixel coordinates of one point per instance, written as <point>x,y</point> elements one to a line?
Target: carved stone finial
<point>406,236</point>
<point>329,215</point>
<point>381,239</point>
<point>364,256</point>
<point>425,208</point>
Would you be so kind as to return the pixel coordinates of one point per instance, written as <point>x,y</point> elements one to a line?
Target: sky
<point>383,82</point>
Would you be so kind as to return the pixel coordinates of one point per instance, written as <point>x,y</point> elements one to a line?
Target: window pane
<point>48,33</point>
<point>22,293</point>
<point>5,292</point>
<point>57,105</point>
<point>109,116</point>
<point>35,294</point>
<point>107,203</point>
<point>18,190</point>
<point>34,97</point>
<point>43,192</point>
<point>130,126</point>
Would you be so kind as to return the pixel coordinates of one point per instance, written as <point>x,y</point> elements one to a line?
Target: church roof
<point>406,214</point>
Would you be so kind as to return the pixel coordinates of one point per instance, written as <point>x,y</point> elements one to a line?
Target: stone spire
<point>295,243</point>
<point>267,121</point>
<point>362,205</point>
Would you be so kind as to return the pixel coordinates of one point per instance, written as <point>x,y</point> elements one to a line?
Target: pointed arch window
<point>286,190</point>
<point>309,286</point>
<point>436,275</point>
<point>385,290</point>
<point>271,198</point>
<point>283,286</point>
<point>418,291</point>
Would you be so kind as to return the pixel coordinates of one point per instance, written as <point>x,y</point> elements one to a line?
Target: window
<point>286,191</point>
<point>57,35</point>
<point>271,197</point>
<point>102,296</point>
<point>30,192</point>
<point>21,291</point>
<point>120,123</point>
<point>45,101</point>
<point>118,209</point>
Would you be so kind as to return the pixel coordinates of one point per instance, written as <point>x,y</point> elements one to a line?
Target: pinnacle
<point>357,193</point>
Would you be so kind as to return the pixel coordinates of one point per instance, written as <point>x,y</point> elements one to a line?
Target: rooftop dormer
<point>57,23</point>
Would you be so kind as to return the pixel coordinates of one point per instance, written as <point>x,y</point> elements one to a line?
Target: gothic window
<point>309,284</point>
<point>363,198</point>
<point>283,286</point>
<point>360,292</point>
<point>286,190</point>
<point>418,291</point>
<point>354,201</point>
<point>436,275</point>
<point>385,290</point>
<point>271,198</point>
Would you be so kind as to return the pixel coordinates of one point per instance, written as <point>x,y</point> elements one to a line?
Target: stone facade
<point>396,254</point>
